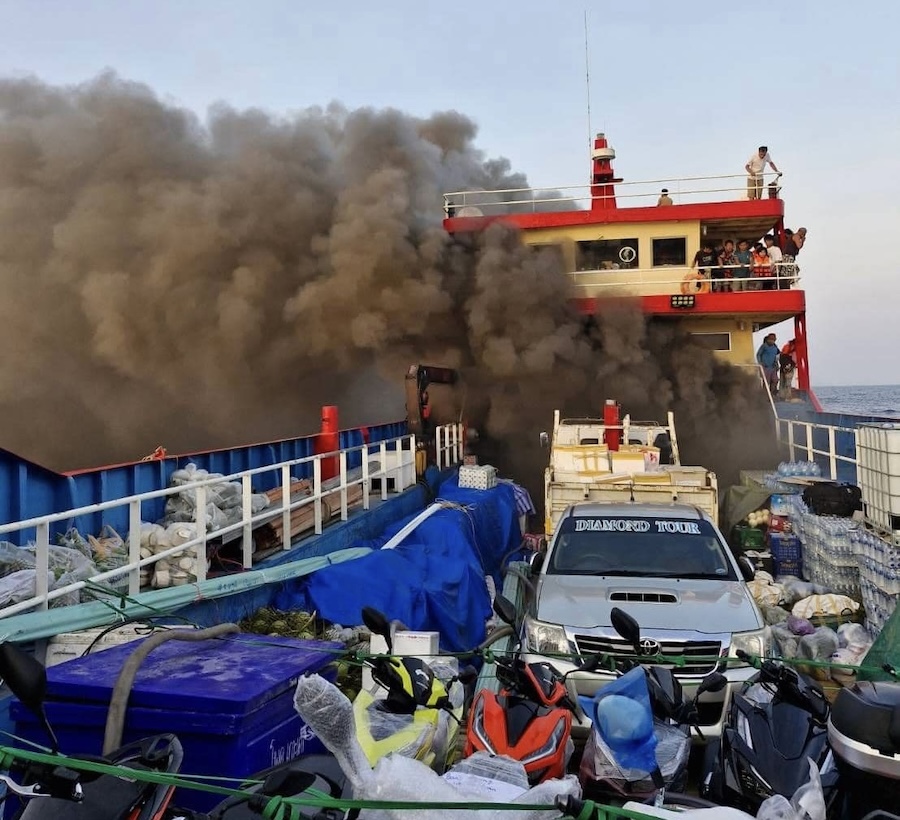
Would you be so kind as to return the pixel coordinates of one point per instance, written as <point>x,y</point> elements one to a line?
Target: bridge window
<point>670,252</point>
<point>607,254</point>
<point>714,341</point>
<point>552,253</point>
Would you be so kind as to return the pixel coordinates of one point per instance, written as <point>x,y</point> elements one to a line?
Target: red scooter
<point>530,718</point>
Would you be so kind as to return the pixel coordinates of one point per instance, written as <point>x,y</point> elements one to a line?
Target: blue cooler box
<point>230,702</point>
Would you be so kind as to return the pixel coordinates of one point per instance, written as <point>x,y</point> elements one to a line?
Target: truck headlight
<point>757,642</point>
<point>546,639</point>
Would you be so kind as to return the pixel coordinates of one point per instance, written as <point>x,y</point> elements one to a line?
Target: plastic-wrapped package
<point>799,626</point>
<point>673,746</point>
<point>854,635</point>
<point>773,614</point>
<point>329,714</point>
<point>807,803</point>
<point>824,605</point>
<point>19,586</point>
<point>819,646</point>
<point>786,641</point>
<point>796,590</point>
<point>766,592</point>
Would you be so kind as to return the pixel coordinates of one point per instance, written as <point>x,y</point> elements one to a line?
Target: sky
<point>683,89</point>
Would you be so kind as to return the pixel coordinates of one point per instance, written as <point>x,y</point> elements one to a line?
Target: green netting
<point>885,650</point>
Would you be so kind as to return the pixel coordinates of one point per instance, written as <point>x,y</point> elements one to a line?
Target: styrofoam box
<point>397,471</point>
<point>482,477</point>
<point>424,645</point>
<point>69,645</point>
<point>625,461</point>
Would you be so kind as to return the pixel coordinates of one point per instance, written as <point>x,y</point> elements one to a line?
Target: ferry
<point>630,240</point>
<point>618,240</point>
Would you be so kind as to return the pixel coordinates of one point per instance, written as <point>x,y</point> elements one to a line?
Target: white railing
<point>672,279</point>
<point>640,193</point>
<point>395,459</point>
<point>450,445</point>
<point>797,436</point>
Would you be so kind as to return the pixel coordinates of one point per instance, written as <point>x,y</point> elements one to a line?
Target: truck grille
<point>702,651</point>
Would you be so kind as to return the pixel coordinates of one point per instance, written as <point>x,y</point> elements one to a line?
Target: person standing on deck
<point>767,358</point>
<point>755,167</point>
<point>777,259</point>
<point>787,365</point>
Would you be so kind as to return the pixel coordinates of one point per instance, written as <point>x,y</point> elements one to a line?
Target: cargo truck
<point>616,459</point>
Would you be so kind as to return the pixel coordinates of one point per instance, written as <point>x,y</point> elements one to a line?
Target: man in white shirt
<point>777,259</point>
<point>755,167</point>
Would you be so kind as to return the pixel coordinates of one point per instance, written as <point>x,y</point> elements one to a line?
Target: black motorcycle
<point>775,723</point>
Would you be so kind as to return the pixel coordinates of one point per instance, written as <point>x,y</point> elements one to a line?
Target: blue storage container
<point>229,701</point>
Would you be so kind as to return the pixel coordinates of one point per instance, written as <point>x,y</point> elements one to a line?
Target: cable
<point>115,719</point>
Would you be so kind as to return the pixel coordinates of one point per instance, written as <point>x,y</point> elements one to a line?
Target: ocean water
<point>864,400</point>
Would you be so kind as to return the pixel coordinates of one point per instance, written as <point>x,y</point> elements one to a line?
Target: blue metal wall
<point>28,490</point>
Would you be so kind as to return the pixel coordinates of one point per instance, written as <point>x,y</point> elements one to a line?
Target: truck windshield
<point>644,547</point>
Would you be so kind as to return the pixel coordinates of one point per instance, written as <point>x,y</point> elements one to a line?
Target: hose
<point>115,717</point>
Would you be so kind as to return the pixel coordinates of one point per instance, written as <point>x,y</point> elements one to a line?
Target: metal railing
<point>672,279</point>
<point>640,193</point>
<point>799,437</point>
<point>449,445</point>
<point>396,461</point>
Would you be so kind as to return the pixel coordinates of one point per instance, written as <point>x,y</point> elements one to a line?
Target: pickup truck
<point>669,567</point>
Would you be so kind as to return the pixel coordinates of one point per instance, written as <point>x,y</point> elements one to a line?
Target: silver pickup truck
<point>668,566</point>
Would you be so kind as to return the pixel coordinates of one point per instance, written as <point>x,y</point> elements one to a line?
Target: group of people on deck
<point>778,365</point>
<point>767,266</point>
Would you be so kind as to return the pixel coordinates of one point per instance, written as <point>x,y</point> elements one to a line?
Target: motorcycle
<point>314,775</point>
<point>530,718</point>
<point>480,778</point>
<point>54,790</point>
<point>640,740</point>
<point>420,715</point>
<point>774,724</point>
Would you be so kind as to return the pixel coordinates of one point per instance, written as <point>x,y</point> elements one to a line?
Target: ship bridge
<point>639,240</point>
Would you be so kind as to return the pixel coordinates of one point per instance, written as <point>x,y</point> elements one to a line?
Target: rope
<point>276,808</point>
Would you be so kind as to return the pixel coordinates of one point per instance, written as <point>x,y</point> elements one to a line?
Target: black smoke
<point>202,284</point>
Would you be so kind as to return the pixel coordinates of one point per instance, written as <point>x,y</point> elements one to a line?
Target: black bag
<point>833,499</point>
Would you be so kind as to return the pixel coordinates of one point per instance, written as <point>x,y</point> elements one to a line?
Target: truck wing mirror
<point>748,571</point>
<point>535,562</point>
<point>505,609</point>
<point>545,439</point>
<point>627,627</point>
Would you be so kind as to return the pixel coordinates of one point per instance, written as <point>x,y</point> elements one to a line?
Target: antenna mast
<point>587,73</point>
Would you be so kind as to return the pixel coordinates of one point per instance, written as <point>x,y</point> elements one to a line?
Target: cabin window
<point>551,253</point>
<point>714,341</point>
<point>607,254</point>
<point>670,252</point>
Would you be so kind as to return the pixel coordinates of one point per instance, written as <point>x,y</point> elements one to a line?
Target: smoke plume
<point>202,284</point>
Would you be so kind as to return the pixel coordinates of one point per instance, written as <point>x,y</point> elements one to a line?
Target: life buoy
<point>695,283</point>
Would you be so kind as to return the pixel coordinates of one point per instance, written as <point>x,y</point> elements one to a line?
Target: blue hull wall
<point>28,490</point>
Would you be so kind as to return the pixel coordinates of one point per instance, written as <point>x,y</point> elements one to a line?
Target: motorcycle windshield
<point>783,740</point>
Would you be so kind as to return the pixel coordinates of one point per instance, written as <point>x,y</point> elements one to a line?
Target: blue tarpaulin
<point>434,580</point>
